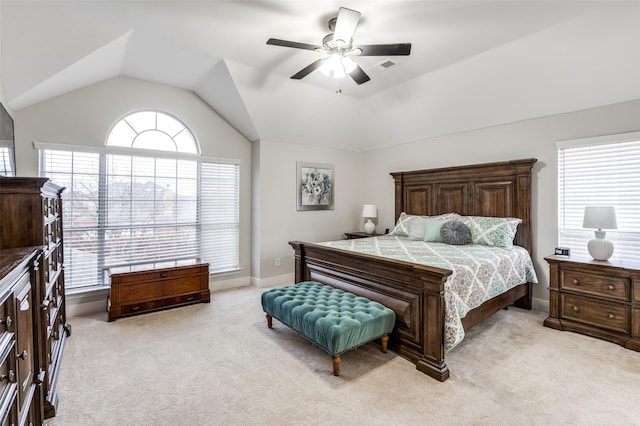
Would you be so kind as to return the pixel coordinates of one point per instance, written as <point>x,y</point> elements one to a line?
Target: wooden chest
<point>152,287</point>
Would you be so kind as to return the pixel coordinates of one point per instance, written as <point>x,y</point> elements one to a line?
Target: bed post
<point>432,362</point>
<point>298,262</point>
<point>399,194</point>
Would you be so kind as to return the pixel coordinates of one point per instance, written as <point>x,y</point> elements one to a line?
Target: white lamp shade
<point>369,210</point>
<point>600,217</point>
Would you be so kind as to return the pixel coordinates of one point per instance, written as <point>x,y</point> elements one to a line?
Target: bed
<point>416,292</point>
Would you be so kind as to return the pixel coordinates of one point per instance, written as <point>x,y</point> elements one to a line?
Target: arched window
<point>153,130</point>
<point>128,204</point>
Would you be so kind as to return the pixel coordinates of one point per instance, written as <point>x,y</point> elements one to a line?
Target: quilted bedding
<point>479,272</point>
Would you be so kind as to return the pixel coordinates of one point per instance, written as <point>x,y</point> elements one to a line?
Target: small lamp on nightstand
<point>369,211</point>
<point>600,217</point>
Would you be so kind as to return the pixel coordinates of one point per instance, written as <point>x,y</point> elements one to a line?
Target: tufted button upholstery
<point>333,319</point>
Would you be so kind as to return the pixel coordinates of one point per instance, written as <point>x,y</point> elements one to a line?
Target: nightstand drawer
<point>611,316</point>
<point>596,285</point>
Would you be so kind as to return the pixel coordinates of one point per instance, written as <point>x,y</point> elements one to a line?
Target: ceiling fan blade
<point>294,44</point>
<point>359,76</point>
<point>397,49</point>
<point>308,69</point>
<point>346,24</point>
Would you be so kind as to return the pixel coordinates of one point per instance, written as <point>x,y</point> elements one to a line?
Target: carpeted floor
<point>219,364</point>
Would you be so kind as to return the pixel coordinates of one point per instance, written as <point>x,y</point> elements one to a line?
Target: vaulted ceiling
<point>473,64</point>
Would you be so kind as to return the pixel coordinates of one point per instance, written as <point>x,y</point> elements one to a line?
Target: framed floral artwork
<point>316,183</point>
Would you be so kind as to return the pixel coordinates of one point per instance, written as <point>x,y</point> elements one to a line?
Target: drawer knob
<point>7,321</point>
<point>163,275</point>
<point>575,281</point>
<point>10,376</point>
<point>611,287</point>
<point>575,308</point>
<point>23,355</point>
<point>611,315</point>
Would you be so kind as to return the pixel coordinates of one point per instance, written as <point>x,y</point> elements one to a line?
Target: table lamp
<point>369,211</point>
<point>600,217</point>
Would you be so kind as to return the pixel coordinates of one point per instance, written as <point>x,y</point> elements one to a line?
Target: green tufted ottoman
<point>335,320</point>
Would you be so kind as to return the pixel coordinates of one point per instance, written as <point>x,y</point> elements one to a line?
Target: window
<point>600,171</point>
<point>6,160</point>
<point>7,156</point>
<point>135,206</point>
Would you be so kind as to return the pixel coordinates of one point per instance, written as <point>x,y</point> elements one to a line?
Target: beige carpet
<point>219,364</point>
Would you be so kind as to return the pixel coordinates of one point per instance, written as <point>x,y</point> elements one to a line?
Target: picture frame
<point>315,186</point>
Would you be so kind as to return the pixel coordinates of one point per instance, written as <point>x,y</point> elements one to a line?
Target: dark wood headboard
<point>494,189</point>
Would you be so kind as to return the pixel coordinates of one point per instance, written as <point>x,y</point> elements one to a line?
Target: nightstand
<point>596,298</point>
<point>354,235</point>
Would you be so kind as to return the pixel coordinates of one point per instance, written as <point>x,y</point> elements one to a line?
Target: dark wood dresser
<point>597,298</point>
<point>21,373</point>
<point>138,289</point>
<point>31,215</point>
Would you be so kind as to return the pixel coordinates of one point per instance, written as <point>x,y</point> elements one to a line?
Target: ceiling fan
<point>340,48</point>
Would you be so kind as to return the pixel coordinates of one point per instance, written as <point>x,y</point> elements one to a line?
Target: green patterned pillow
<point>412,225</point>
<point>492,231</point>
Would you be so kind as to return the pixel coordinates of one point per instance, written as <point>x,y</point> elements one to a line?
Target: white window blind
<point>603,171</point>
<point>131,209</point>
<point>7,168</point>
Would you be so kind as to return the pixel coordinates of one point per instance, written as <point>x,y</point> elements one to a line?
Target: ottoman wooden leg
<point>336,365</point>
<point>269,321</point>
<point>384,340</point>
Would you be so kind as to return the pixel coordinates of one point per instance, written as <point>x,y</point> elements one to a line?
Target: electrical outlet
<point>277,263</point>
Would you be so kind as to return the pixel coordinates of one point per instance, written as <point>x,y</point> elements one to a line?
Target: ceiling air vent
<point>381,67</point>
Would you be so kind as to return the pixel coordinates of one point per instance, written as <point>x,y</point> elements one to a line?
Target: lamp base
<point>369,227</point>
<point>600,249</point>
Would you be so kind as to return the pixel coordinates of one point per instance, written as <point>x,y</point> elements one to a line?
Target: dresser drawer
<point>597,285</point>
<point>611,316</point>
<point>7,368</point>
<point>6,319</point>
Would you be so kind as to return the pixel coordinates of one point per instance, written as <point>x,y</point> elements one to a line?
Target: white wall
<point>84,117</point>
<point>277,221</point>
<point>3,97</point>
<point>532,138</point>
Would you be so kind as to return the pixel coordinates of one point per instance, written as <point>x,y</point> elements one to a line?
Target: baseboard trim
<point>273,281</point>
<point>540,304</point>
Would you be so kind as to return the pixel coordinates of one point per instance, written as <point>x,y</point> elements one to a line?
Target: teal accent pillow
<point>492,231</point>
<point>432,230</point>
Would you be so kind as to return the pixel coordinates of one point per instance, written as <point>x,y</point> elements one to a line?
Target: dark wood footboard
<point>414,292</point>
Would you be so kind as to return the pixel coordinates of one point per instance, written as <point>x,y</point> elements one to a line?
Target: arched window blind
<point>602,171</point>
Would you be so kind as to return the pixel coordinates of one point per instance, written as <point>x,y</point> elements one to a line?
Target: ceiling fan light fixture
<point>339,46</point>
<point>337,66</point>
<point>348,64</point>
